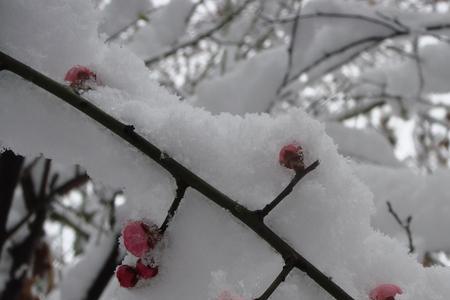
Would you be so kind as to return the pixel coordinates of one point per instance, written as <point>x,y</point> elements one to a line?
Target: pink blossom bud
<point>80,77</point>
<point>291,157</point>
<point>127,276</point>
<point>139,238</point>
<point>226,295</point>
<point>146,271</point>
<point>385,292</point>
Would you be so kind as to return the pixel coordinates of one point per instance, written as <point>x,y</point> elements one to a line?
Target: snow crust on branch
<point>326,218</point>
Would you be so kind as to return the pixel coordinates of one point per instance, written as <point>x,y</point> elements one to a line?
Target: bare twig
<point>287,190</point>
<point>278,280</point>
<point>406,225</point>
<point>10,167</point>
<point>199,37</point>
<point>181,189</point>
<point>371,41</point>
<point>418,61</point>
<point>291,47</point>
<point>319,15</point>
<point>60,190</point>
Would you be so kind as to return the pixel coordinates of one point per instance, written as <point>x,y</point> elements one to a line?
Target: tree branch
<point>29,193</point>
<point>181,189</point>
<point>104,275</point>
<point>371,40</point>
<point>336,16</point>
<point>127,133</point>
<point>406,225</point>
<point>278,280</point>
<point>287,190</point>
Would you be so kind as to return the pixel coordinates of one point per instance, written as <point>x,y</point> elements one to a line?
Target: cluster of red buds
<point>139,238</point>
<point>81,79</point>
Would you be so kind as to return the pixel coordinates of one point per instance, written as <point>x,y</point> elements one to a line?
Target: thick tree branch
<point>127,133</point>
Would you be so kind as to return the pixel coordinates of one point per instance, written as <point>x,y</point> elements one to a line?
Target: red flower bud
<point>139,238</point>
<point>226,295</point>
<point>385,292</point>
<point>127,276</point>
<point>80,77</point>
<point>291,157</point>
<point>146,271</point>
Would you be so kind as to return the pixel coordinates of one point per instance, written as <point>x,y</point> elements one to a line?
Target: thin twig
<point>335,16</point>
<point>44,178</point>
<point>181,189</point>
<point>287,190</point>
<point>406,225</point>
<point>419,67</point>
<point>278,280</point>
<point>291,48</point>
<point>371,41</point>
<point>60,190</point>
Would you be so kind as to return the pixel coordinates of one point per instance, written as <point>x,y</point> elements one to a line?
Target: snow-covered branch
<point>127,132</point>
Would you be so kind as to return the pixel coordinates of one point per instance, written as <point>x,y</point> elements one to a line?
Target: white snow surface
<point>250,87</point>
<point>165,27</point>
<point>424,197</point>
<point>435,68</point>
<point>327,217</point>
<point>119,14</point>
<point>363,145</point>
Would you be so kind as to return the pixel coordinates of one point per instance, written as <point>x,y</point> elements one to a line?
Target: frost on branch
<point>326,217</point>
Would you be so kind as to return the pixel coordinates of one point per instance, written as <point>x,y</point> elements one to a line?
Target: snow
<point>364,145</point>
<point>318,36</point>
<point>424,197</point>
<point>235,92</point>
<point>326,218</point>
<point>434,61</point>
<point>119,14</point>
<point>165,27</point>
<point>80,276</point>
